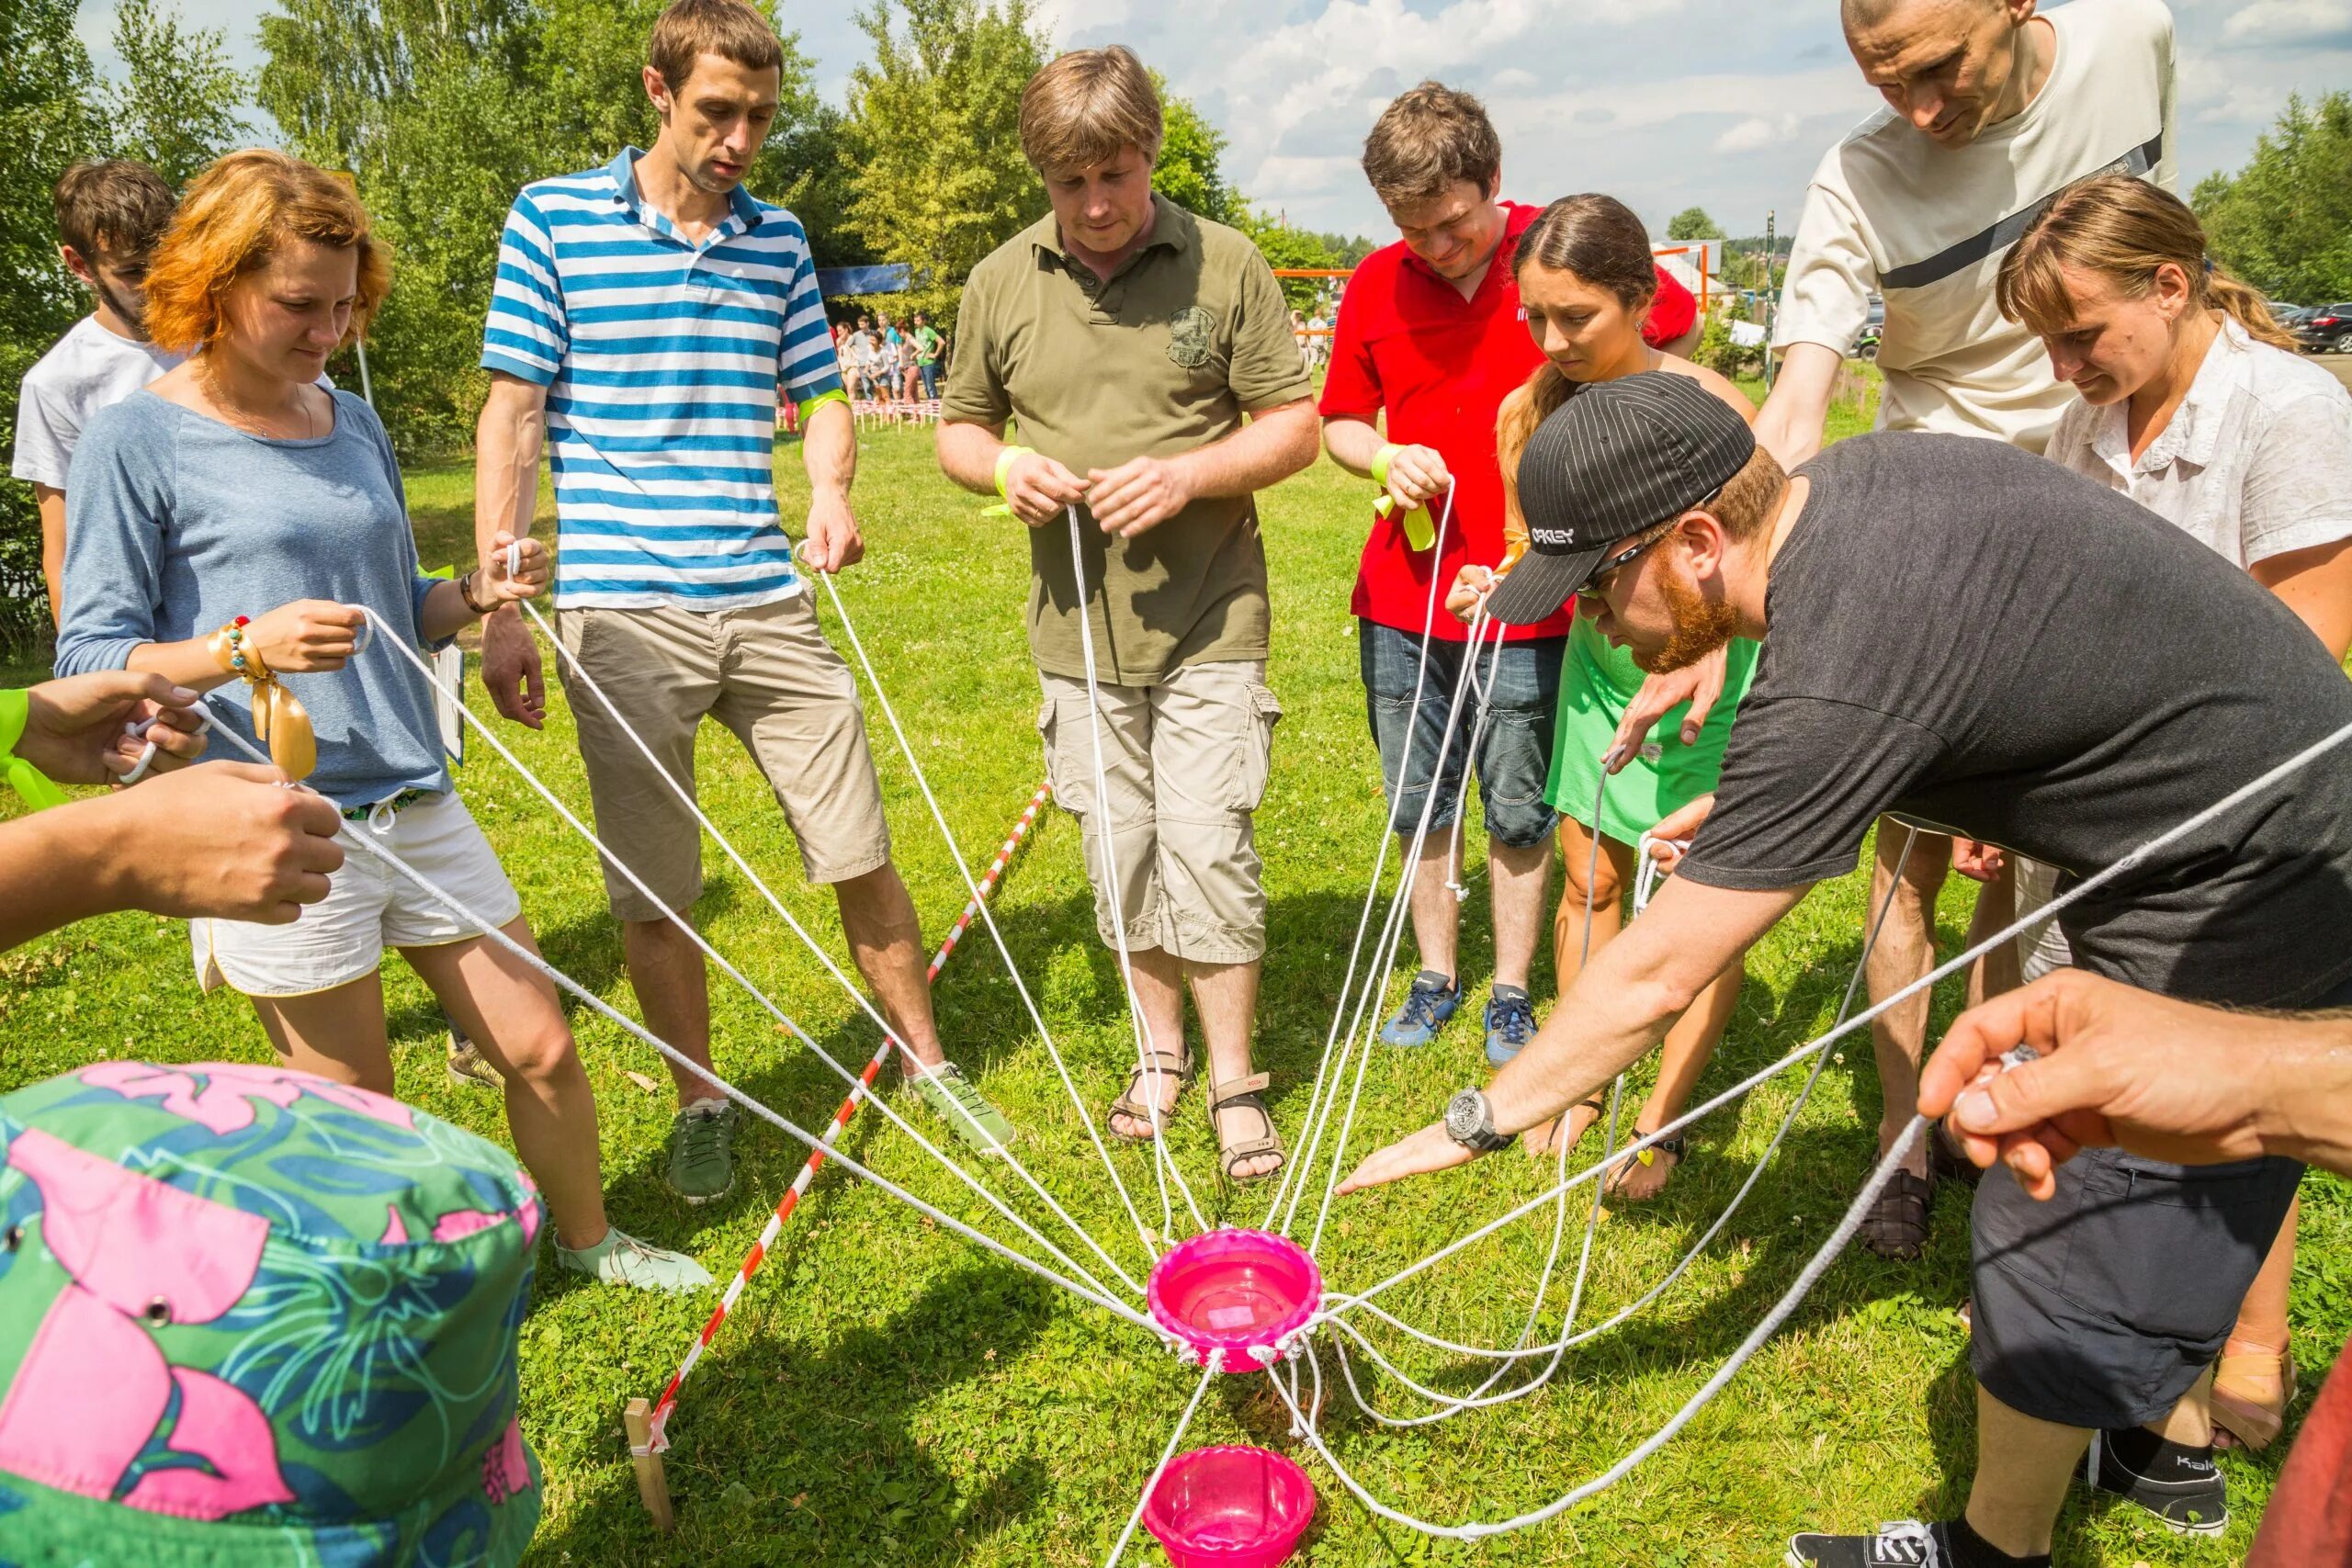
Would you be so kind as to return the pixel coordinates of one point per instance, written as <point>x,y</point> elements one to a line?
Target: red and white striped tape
<point>791,1199</point>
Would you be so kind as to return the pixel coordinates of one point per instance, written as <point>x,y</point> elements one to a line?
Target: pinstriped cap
<point>1616,458</point>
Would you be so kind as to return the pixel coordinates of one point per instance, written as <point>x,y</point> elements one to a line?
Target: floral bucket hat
<point>251,1317</point>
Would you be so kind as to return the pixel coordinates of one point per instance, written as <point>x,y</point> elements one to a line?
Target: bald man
<point>1991,109</point>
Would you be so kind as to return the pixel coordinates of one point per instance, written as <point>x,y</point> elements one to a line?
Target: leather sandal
<point>1137,1109</point>
<point>2243,1417</point>
<point>1248,1093</point>
<point>1896,1225</point>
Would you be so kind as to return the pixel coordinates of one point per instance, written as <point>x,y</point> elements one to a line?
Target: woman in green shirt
<point>1585,276</point>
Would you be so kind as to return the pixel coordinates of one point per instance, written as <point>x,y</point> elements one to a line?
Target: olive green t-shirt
<point>1160,360</point>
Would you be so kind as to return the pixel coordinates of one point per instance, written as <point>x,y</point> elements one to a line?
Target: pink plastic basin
<point>1229,1508</point>
<point>1234,1290</point>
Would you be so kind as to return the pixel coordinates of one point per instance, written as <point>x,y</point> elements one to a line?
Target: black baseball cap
<point>1618,458</point>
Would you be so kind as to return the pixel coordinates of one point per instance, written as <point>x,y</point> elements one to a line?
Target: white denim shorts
<point>368,907</point>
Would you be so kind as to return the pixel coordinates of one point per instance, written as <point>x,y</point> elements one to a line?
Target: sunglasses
<point>1606,567</point>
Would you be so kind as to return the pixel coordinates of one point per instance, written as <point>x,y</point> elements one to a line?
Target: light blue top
<point>177,524</point>
<point>663,358</point>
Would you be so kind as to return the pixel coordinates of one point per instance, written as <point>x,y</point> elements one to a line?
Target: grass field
<point>887,1394</point>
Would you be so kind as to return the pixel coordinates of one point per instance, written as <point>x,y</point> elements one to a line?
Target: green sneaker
<point>467,1069</point>
<point>622,1259</point>
<point>701,1164</point>
<point>957,1101</point>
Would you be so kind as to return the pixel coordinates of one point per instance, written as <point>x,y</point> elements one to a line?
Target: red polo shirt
<point>1407,342</point>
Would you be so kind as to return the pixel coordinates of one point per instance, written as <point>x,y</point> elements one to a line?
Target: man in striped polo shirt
<point>647,317</point>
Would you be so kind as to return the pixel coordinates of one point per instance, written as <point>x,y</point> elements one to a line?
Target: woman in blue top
<point>233,519</point>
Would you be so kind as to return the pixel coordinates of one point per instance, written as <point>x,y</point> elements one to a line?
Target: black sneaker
<point>2180,1485</point>
<point>1905,1543</point>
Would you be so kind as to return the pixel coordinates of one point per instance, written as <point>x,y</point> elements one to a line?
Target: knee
<point>540,1050</point>
<point>1591,878</point>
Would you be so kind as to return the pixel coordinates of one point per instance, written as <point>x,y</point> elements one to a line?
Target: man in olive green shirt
<point>1128,339</point>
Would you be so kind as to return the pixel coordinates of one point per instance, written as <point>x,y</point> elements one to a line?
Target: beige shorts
<point>2040,952</point>
<point>368,907</point>
<point>1185,763</point>
<point>768,674</point>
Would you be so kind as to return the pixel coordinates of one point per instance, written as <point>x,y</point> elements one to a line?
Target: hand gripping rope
<point>660,1417</point>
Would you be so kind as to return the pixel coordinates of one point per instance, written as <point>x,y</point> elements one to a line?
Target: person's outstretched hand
<point>1677,829</point>
<point>79,730</point>
<point>229,840</point>
<point>1700,684</point>
<point>1431,1148</point>
<point>2117,1067</point>
<point>1472,584</point>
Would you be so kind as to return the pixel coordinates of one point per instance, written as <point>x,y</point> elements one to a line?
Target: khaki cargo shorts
<point>768,674</point>
<point>1185,764</point>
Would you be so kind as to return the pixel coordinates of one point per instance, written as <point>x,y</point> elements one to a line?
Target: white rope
<point>906,748</point>
<point>1367,1019</point>
<point>1163,1162</point>
<point>1208,1375</point>
<point>394,640</point>
<point>482,924</point>
<point>1297,1170</point>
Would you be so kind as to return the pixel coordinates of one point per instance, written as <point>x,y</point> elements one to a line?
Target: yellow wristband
<point>811,405</point>
<point>1004,461</point>
<point>1381,460</point>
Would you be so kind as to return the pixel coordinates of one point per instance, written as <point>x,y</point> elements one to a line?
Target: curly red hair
<point>234,216</point>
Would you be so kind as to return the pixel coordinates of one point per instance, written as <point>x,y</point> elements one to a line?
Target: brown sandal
<point>1168,1065</point>
<point>2240,1416</point>
<point>1248,1093</point>
<point>1895,1226</point>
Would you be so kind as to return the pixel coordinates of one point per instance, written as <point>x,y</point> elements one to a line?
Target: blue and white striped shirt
<point>663,360</point>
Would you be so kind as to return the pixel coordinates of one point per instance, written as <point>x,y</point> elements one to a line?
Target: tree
<point>1347,250</point>
<point>1284,247</point>
<point>933,140</point>
<point>1692,223</point>
<point>1188,173</point>
<point>48,119</point>
<point>176,106</point>
<point>2284,221</point>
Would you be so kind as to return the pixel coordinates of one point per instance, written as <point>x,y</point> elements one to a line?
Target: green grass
<point>887,1394</point>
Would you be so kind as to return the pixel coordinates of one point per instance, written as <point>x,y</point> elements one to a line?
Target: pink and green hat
<point>252,1317</point>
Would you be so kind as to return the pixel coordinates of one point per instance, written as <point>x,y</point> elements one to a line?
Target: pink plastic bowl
<point>1234,1290</point>
<point>1229,1508</point>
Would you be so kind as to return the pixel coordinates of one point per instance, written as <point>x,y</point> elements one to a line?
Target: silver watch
<point>1470,1122</point>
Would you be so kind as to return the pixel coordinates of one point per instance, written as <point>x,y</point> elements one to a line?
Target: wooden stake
<point>653,1486</point>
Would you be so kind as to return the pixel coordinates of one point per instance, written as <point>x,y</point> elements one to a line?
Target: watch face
<point>1465,1116</point>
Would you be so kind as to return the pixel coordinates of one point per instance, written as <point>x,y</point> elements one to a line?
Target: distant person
<point>234,526</point>
<point>1144,354</point>
<point>1991,109</point>
<point>689,602</point>
<point>928,345</point>
<point>1431,338</point>
<point>2194,403</point>
<point>110,216</point>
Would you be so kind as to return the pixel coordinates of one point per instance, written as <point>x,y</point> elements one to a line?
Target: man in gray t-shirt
<point>1959,631</point>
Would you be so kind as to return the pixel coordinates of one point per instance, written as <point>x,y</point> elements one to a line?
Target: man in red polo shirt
<point>1431,335</point>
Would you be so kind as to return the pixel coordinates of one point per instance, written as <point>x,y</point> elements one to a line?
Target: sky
<point>1667,103</point>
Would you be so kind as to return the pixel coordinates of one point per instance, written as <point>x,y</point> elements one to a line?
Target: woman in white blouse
<point>2196,404</point>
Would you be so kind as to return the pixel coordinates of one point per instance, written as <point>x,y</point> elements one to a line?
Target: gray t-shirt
<point>177,524</point>
<point>1968,635</point>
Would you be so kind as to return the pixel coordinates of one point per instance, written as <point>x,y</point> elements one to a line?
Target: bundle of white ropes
<point>1358,1004</point>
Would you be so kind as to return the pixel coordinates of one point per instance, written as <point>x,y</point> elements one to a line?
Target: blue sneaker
<point>1432,1000</point>
<point>1511,1023</point>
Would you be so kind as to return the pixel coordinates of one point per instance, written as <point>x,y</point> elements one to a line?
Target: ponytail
<point>2248,309</point>
<point>1527,407</point>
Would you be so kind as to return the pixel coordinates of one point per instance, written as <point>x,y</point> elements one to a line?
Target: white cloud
<point>2290,22</point>
<point>1756,133</point>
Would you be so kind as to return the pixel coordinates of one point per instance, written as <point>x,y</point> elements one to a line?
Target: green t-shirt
<point>926,347</point>
<point>1187,335</point>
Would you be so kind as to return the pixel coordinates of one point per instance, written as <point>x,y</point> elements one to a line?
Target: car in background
<point>2328,330</point>
<point>1866,340</point>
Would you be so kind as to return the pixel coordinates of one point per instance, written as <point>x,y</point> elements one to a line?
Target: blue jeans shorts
<point>1514,752</point>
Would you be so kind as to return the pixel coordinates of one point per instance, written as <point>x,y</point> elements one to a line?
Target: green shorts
<point>1597,681</point>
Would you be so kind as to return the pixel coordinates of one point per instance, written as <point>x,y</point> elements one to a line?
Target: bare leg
<point>1225,996</point>
<point>1436,914</point>
<point>511,1011</point>
<point>2189,1423</point>
<point>1689,1044</point>
<point>2262,1318</point>
<point>1906,950</point>
<point>2022,1468</point>
<point>1998,971</point>
<point>1518,879</point>
<point>1601,883</point>
<point>885,940</point>
<point>1159,992</point>
<point>665,970</point>
<point>337,1034</point>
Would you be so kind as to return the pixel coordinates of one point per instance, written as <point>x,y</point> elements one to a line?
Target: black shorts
<point>2103,1306</point>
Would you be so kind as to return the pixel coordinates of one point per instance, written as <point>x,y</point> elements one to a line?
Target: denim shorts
<point>1514,751</point>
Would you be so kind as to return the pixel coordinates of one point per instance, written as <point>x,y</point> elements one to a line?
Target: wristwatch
<point>1470,1122</point>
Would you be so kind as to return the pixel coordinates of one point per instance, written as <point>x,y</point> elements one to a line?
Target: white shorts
<point>368,907</point>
